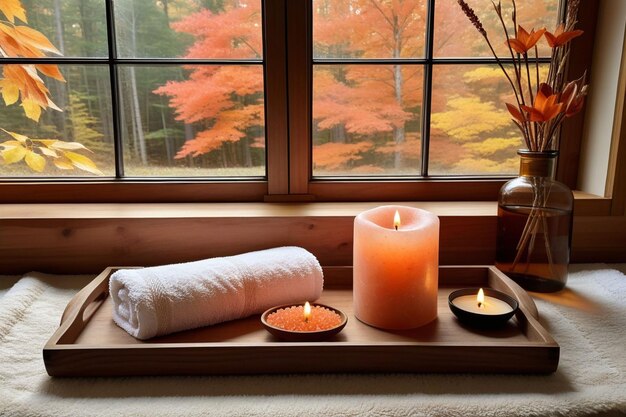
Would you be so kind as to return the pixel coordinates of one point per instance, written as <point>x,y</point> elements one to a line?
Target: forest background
<point>208,120</point>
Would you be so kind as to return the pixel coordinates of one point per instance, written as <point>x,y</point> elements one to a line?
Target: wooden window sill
<point>77,238</point>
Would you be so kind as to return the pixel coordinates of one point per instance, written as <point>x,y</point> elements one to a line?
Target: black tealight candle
<point>482,307</point>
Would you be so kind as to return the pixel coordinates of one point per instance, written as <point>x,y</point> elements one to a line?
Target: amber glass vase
<point>535,225</point>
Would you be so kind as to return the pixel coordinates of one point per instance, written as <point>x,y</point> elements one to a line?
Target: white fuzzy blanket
<point>588,320</point>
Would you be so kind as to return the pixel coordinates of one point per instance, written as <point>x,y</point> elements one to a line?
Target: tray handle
<point>86,300</point>
<point>505,284</point>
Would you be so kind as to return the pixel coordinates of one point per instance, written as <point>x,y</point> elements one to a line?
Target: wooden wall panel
<point>599,239</point>
<point>88,245</point>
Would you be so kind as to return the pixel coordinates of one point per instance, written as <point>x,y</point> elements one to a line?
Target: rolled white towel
<point>165,299</point>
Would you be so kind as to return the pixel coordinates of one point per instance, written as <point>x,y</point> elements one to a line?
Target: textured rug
<point>587,319</point>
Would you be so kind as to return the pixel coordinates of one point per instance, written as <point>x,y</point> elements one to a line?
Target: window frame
<point>288,83</point>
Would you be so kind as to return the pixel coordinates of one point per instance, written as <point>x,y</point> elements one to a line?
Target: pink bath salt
<point>292,319</point>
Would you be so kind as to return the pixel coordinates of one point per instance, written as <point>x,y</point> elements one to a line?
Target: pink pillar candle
<point>396,270</point>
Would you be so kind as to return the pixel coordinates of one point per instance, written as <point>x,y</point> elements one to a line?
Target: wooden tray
<point>88,343</point>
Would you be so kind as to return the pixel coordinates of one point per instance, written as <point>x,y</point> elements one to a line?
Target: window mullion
<point>299,73</point>
<point>115,110</point>
<point>428,92</point>
<point>276,122</point>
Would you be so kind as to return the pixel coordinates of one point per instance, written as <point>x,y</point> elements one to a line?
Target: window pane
<point>193,121</point>
<point>75,28</point>
<point>368,29</point>
<point>55,138</point>
<point>189,28</point>
<point>366,119</point>
<point>456,37</point>
<point>471,130</point>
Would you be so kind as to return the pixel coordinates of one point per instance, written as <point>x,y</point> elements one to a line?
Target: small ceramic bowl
<point>479,319</point>
<point>300,336</point>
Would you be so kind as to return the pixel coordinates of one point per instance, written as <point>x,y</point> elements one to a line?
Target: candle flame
<point>396,220</point>
<point>480,298</point>
<point>307,311</point>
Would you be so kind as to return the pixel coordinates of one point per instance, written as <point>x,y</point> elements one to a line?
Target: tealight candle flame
<point>480,298</point>
<point>396,220</point>
<point>307,311</point>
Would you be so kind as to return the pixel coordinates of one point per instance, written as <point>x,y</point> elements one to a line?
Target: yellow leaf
<point>47,142</point>
<point>70,146</point>
<point>13,9</point>
<point>35,161</point>
<point>35,38</point>
<point>82,162</point>
<point>31,109</point>
<point>63,163</point>
<point>14,154</point>
<point>10,92</point>
<point>48,152</point>
<point>17,136</point>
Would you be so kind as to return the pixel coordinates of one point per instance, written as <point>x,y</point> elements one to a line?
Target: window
<point>401,89</point>
<point>151,88</point>
<point>240,99</point>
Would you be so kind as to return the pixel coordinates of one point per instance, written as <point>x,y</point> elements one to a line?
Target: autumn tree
<point>368,103</point>
<point>224,102</point>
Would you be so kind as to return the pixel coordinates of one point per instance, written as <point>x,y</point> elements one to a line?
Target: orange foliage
<point>225,100</point>
<point>367,99</point>
<point>411,148</point>
<point>445,151</point>
<point>372,28</point>
<point>336,155</point>
<point>370,106</point>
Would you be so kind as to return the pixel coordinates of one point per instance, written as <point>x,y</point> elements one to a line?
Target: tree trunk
<point>169,149</point>
<point>398,131</point>
<point>166,11</point>
<point>245,151</point>
<point>338,133</point>
<point>141,140</point>
<point>189,135</point>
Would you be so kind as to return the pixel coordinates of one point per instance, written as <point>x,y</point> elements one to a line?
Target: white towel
<point>165,299</point>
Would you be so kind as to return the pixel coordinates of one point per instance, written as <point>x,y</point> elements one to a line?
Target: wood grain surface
<point>89,343</point>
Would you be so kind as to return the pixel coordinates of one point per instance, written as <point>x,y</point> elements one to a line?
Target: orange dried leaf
<point>560,37</point>
<point>515,112</point>
<point>52,105</point>
<point>51,71</point>
<point>36,39</point>
<point>13,9</point>
<point>524,40</point>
